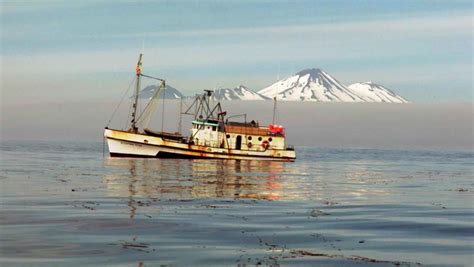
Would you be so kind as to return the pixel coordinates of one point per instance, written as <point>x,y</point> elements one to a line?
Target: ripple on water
<point>331,207</point>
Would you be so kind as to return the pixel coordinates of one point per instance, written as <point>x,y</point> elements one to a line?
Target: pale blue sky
<point>61,51</point>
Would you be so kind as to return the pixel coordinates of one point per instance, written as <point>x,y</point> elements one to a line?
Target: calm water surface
<point>67,205</point>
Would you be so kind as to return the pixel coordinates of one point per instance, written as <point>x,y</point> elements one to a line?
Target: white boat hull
<point>120,147</point>
<point>126,144</point>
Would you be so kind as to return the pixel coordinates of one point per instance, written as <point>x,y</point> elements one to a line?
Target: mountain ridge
<point>238,93</point>
<point>312,84</point>
<point>170,92</point>
<point>376,92</point>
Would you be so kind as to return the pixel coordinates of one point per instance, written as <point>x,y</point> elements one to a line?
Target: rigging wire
<point>184,103</point>
<point>145,116</point>
<point>121,100</point>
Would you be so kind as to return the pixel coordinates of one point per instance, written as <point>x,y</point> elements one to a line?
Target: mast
<point>138,71</point>
<point>163,109</point>
<point>274,109</point>
<point>180,114</point>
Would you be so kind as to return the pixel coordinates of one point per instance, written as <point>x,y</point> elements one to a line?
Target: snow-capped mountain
<point>238,93</point>
<point>372,92</point>
<point>310,85</point>
<point>317,85</point>
<point>170,92</point>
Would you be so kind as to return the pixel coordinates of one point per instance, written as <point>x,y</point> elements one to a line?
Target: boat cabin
<point>237,135</point>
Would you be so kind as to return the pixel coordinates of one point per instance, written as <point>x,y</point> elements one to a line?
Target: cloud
<point>200,56</point>
<point>414,26</point>
<point>273,43</point>
<point>229,46</point>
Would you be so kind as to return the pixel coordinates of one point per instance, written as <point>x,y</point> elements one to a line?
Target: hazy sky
<point>64,51</point>
<point>369,125</point>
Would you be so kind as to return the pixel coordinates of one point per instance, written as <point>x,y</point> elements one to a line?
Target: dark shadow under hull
<point>160,154</point>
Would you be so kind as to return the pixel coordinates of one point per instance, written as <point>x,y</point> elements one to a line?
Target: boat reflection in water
<point>194,179</point>
<point>171,179</point>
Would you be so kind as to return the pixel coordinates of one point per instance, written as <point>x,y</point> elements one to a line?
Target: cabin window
<point>227,136</point>
<point>270,139</point>
<point>250,137</point>
<point>208,127</point>
<point>259,138</point>
<point>214,128</point>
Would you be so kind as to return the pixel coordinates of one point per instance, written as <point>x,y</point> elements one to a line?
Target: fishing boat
<point>212,135</point>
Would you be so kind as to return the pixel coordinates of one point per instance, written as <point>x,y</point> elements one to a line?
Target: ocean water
<point>66,204</point>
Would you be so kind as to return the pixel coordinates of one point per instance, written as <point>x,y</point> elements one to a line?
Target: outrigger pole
<point>201,105</point>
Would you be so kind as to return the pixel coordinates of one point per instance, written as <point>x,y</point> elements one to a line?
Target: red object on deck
<point>276,129</point>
